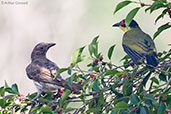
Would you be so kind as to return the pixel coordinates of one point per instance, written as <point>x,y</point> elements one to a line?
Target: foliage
<point>107,88</point>
<point>164,5</point>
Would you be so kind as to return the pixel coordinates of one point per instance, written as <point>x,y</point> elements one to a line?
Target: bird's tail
<point>151,60</point>
<point>76,87</point>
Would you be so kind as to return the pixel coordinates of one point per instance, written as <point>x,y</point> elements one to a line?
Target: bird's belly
<point>46,87</point>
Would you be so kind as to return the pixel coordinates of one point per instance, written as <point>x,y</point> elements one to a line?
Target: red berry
<point>124,76</point>
<point>164,100</point>
<point>55,100</point>
<point>134,85</point>
<point>96,61</point>
<point>69,113</point>
<point>131,63</point>
<point>100,58</point>
<point>62,91</point>
<point>81,81</point>
<point>60,94</point>
<point>129,78</point>
<point>169,11</point>
<point>53,107</point>
<point>20,99</point>
<point>120,76</point>
<point>142,4</point>
<point>133,110</point>
<point>20,95</point>
<point>59,111</point>
<point>156,95</point>
<point>168,110</point>
<point>103,63</point>
<point>92,75</point>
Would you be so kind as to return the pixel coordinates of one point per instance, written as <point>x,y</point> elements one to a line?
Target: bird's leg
<point>37,96</point>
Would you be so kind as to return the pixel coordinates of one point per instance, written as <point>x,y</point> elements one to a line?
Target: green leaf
<point>15,88</point>
<point>161,109</point>
<point>127,88</point>
<point>6,85</point>
<point>121,5</point>
<point>76,56</point>
<point>161,29</point>
<point>59,71</point>
<point>96,85</point>
<point>111,72</point>
<point>64,96</point>
<point>9,90</point>
<point>146,79</point>
<point>156,5</point>
<point>143,110</point>
<point>161,15</point>
<point>131,15</point>
<point>93,47</point>
<point>155,80</point>
<point>46,108</point>
<point>110,51</point>
<point>93,110</point>
<point>121,105</point>
<point>134,99</point>
<point>162,77</point>
<point>2,103</point>
<point>2,91</point>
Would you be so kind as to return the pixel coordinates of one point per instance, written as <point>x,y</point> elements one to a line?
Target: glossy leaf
<point>96,86</point>
<point>161,29</point>
<point>15,88</point>
<point>92,110</point>
<point>121,5</point>
<point>121,105</point>
<point>60,71</point>
<point>93,47</point>
<point>131,15</point>
<point>155,80</point>
<point>161,108</point>
<point>110,51</point>
<point>161,15</point>
<point>46,109</point>
<point>111,72</point>
<point>162,77</point>
<point>76,56</point>
<point>143,110</point>
<point>134,99</point>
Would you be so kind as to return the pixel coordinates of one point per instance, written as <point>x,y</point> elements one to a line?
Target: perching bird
<point>137,44</point>
<point>42,71</point>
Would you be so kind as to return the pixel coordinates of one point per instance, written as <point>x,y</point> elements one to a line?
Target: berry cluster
<point>169,11</point>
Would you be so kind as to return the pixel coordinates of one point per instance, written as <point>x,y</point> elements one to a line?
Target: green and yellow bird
<point>137,44</point>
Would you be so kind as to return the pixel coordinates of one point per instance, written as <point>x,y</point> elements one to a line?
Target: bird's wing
<point>140,42</point>
<point>42,74</point>
<point>134,55</point>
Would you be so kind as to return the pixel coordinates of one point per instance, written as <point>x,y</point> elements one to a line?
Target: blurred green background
<point>70,24</point>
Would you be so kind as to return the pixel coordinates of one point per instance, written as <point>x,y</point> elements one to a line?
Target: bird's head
<point>123,27</point>
<point>41,49</point>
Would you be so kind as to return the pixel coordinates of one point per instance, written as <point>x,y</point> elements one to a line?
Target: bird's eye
<point>41,48</point>
<point>122,22</point>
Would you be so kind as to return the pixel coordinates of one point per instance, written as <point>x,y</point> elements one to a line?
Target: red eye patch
<point>122,22</point>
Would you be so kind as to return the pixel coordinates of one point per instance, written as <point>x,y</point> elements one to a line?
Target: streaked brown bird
<point>42,71</point>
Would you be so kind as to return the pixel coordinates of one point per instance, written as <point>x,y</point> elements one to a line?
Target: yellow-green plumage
<point>138,45</point>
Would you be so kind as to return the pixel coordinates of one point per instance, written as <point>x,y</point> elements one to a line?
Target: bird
<point>137,44</point>
<point>43,72</point>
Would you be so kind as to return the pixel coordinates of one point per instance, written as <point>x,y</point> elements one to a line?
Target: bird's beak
<point>116,25</point>
<point>51,44</point>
